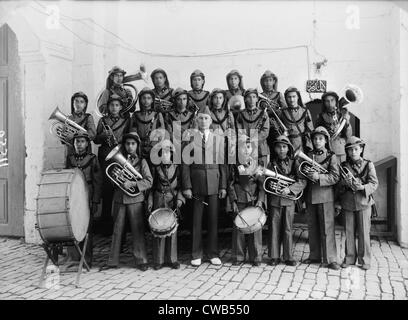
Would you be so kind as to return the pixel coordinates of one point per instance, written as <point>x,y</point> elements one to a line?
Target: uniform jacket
<point>144,122</point>
<point>89,165</point>
<point>163,94</point>
<point>257,119</point>
<point>323,190</point>
<point>119,128</point>
<point>301,118</point>
<point>245,188</point>
<point>184,120</point>
<point>166,185</point>
<point>289,168</point>
<point>359,200</point>
<point>238,92</point>
<point>331,123</point>
<point>209,175</point>
<point>200,98</point>
<point>277,97</point>
<point>143,185</point>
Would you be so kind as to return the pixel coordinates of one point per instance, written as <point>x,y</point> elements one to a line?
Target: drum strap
<point>166,177</point>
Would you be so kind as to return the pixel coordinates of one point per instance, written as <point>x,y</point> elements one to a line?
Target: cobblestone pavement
<point>20,268</point>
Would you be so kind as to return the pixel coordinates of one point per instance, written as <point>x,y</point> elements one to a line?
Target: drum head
<point>79,205</point>
<point>162,220</point>
<point>250,216</point>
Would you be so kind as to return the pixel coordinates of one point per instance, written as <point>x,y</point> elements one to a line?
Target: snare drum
<point>250,220</point>
<point>62,206</point>
<point>163,222</point>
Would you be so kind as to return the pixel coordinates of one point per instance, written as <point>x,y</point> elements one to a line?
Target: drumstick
<point>198,199</point>
<point>242,219</point>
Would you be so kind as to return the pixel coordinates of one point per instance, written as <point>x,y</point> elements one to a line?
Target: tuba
<point>308,165</point>
<point>351,94</point>
<point>121,171</point>
<point>282,130</point>
<point>63,127</point>
<point>275,183</point>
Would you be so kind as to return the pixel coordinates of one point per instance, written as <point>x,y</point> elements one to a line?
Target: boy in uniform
<point>88,163</point>
<point>198,95</point>
<point>162,90</point>
<point>355,199</point>
<point>320,201</point>
<point>166,192</point>
<point>297,120</point>
<point>235,84</point>
<point>253,119</point>
<point>131,206</point>
<point>245,189</point>
<point>282,209</point>
<point>109,133</point>
<point>79,104</point>
<point>205,179</point>
<point>331,118</point>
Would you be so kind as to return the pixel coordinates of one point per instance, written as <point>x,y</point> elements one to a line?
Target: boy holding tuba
<point>282,208</point>
<point>320,200</point>
<point>131,206</point>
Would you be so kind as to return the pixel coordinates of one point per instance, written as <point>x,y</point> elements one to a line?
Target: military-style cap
<point>81,134</point>
<point>131,135</point>
<point>269,74</point>
<point>232,73</point>
<point>331,94</point>
<point>354,141</point>
<point>147,90</point>
<point>116,69</point>
<point>178,92</point>
<point>166,144</point>
<point>249,91</point>
<point>115,97</point>
<point>321,130</point>
<point>283,139</point>
<point>197,73</point>
<point>243,138</point>
<point>294,89</point>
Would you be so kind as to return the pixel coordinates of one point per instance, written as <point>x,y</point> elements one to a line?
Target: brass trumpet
<point>345,172</point>
<point>63,127</point>
<point>121,171</point>
<point>111,140</point>
<point>282,130</point>
<point>162,105</point>
<point>275,183</point>
<point>308,165</point>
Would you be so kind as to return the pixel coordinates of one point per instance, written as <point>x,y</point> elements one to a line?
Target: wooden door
<point>12,147</point>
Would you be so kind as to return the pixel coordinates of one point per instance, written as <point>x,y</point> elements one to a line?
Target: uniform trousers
<point>281,232</point>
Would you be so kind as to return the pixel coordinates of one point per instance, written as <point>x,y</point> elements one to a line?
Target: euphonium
<point>275,183</point>
<point>121,171</point>
<point>308,165</point>
<point>281,127</point>
<point>351,94</point>
<point>63,127</point>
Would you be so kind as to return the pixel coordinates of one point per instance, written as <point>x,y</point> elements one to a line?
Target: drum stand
<point>52,250</point>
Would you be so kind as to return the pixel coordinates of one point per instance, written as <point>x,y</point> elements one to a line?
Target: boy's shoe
<point>333,266</point>
<point>175,265</point>
<point>107,267</point>
<point>274,262</point>
<point>311,261</point>
<point>215,261</point>
<point>291,263</point>
<point>345,265</point>
<point>365,266</point>
<point>142,266</point>
<point>157,266</point>
<point>236,263</point>
<point>256,263</point>
<point>196,262</point>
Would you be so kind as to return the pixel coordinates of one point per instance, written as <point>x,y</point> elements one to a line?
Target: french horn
<point>64,128</point>
<point>121,171</point>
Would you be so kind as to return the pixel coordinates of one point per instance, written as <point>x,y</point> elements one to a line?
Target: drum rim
<point>247,229</point>
<point>165,232</point>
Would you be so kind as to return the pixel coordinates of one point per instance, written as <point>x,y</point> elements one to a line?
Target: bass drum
<point>63,206</point>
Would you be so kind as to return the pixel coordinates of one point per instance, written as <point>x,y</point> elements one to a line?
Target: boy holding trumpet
<point>358,183</point>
